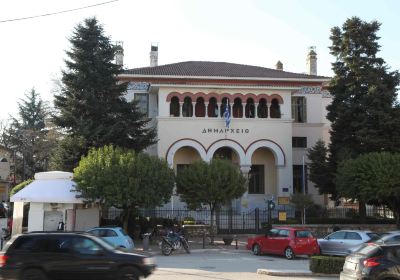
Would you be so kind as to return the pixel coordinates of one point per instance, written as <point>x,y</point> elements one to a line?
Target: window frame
<point>138,102</point>
<point>299,109</point>
<point>260,189</point>
<point>299,142</point>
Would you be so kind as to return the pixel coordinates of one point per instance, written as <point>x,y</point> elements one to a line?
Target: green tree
<point>64,156</point>
<point>29,136</point>
<point>364,115</point>
<point>124,179</point>
<point>213,184</point>
<point>372,177</point>
<point>301,202</point>
<point>319,169</point>
<point>91,103</point>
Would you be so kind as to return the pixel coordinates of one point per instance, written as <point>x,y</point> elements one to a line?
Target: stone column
<point>255,110</point>
<point>244,110</point>
<point>180,109</point>
<point>206,104</point>
<point>193,110</point>
<point>218,110</point>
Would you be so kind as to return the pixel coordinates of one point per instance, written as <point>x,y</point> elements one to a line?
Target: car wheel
<point>256,249</point>
<point>128,273</point>
<point>33,274</point>
<point>289,254</point>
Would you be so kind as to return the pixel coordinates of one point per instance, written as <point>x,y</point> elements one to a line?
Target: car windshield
<point>105,243</point>
<point>374,236</point>
<point>368,250</point>
<point>123,232</point>
<point>303,233</point>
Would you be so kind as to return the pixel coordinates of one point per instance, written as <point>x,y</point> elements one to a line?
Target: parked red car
<point>285,241</point>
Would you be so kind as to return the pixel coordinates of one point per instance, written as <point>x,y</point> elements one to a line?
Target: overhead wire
<point>60,12</point>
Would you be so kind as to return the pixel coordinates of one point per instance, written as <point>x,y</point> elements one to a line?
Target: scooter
<point>173,241</point>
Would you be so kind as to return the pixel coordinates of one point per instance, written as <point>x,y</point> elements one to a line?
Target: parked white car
<point>114,235</point>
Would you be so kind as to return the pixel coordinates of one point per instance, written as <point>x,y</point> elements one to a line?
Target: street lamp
<point>304,187</point>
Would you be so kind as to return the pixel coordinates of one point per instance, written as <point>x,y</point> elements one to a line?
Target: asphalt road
<point>224,265</point>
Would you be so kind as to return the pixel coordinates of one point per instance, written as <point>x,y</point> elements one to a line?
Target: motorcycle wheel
<point>166,249</point>
<point>186,246</point>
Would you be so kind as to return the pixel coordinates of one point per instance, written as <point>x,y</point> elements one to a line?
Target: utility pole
<point>304,188</point>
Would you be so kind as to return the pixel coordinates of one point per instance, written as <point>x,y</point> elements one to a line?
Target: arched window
<point>187,108</point>
<point>237,108</point>
<point>223,106</point>
<point>212,108</point>
<point>262,109</point>
<point>275,110</point>
<point>250,108</point>
<point>200,108</point>
<point>174,107</point>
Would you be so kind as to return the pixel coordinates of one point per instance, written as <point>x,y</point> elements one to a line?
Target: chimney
<point>279,65</point>
<point>119,53</point>
<point>312,61</point>
<point>154,55</point>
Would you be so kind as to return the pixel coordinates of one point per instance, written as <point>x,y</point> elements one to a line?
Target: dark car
<point>374,262</point>
<point>62,256</point>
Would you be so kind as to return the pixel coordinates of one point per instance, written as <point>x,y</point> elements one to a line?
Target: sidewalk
<point>268,265</point>
<point>196,244</point>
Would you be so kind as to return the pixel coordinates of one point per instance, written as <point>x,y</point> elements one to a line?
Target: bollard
<point>204,240</point>
<point>146,241</point>
<point>236,242</point>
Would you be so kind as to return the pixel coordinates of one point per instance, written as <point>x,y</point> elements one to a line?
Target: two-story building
<point>274,117</point>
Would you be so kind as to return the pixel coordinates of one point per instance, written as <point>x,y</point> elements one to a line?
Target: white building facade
<point>275,116</point>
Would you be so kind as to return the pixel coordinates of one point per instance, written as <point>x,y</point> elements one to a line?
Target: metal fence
<point>231,221</point>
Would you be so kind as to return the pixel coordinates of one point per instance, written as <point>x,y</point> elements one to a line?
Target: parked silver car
<point>342,242</point>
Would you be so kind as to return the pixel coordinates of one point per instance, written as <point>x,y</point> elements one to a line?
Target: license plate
<point>350,266</point>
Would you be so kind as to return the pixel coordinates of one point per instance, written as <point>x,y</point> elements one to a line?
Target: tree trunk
<point>212,210</point>
<point>126,219</point>
<point>362,211</point>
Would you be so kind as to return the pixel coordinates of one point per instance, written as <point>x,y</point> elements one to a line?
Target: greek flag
<point>227,115</point>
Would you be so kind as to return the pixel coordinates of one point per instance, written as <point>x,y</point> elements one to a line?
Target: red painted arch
<point>276,96</point>
<point>172,94</point>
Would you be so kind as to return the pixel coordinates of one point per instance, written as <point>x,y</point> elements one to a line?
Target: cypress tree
<point>91,103</point>
<point>364,114</point>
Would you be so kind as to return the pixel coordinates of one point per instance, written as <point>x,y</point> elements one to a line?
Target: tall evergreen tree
<point>28,136</point>
<point>320,173</point>
<point>364,115</point>
<point>91,103</point>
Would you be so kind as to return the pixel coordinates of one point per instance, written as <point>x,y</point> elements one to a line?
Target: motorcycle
<point>173,241</point>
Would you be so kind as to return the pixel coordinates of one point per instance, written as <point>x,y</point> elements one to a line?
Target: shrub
<point>20,186</point>
<point>326,264</point>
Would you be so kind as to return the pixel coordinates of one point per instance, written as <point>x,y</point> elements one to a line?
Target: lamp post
<point>304,188</point>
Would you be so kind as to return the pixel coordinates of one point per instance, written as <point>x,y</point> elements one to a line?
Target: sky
<point>252,32</point>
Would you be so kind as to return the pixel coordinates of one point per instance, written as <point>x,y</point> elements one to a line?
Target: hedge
<point>326,264</point>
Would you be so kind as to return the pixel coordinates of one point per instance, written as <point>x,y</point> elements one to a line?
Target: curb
<point>298,273</point>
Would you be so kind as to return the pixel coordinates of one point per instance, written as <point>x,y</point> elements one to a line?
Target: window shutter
<point>294,108</point>
<point>305,109</point>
